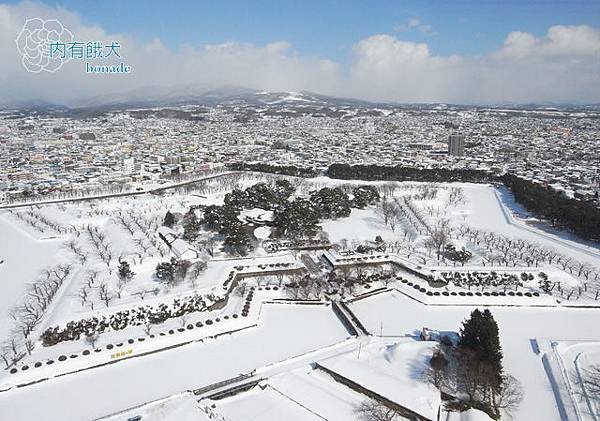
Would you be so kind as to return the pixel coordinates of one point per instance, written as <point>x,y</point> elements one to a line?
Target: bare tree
<point>83,294</point>
<point>437,373</point>
<point>91,277</point>
<point>29,345</point>
<point>510,395</point>
<point>439,236</point>
<point>385,210</point>
<point>105,294</point>
<point>5,355</point>
<point>197,268</point>
<point>344,244</point>
<point>147,326</point>
<point>241,289</point>
<point>120,286</point>
<point>371,410</point>
<point>591,382</point>
<point>91,339</point>
<point>395,217</point>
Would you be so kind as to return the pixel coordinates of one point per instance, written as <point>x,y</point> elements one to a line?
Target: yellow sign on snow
<point>122,354</point>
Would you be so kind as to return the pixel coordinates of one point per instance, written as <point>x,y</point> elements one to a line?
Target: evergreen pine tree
<point>125,272</point>
<point>191,225</point>
<point>480,334</point>
<point>165,272</point>
<point>169,220</point>
<point>469,334</point>
<point>490,349</point>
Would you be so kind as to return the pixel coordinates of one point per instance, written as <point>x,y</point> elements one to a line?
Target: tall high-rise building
<point>129,165</point>
<point>456,144</point>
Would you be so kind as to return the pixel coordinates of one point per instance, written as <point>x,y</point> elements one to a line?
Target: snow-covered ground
<point>126,228</point>
<point>179,407</point>
<point>485,212</point>
<point>395,315</point>
<point>318,392</point>
<point>267,405</point>
<point>284,331</point>
<point>569,363</point>
<point>394,370</point>
<point>23,256</point>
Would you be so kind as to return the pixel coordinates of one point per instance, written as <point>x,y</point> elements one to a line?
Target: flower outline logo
<point>33,43</point>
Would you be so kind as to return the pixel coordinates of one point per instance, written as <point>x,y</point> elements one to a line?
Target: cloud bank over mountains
<point>561,66</point>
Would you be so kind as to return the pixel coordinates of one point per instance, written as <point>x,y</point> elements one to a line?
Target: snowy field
<point>267,404</point>
<point>484,208</point>
<point>393,370</point>
<point>571,363</point>
<point>393,314</point>
<point>23,256</point>
<point>285,331</point>
<point>74,251</point>
<point>304,393</point>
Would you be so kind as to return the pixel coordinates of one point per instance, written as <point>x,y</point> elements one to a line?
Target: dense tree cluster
<point>224,219</point>
<point>331,203</point>
<point>364,196</point>
<point>294,219</point>
<point>169,220</point>
<point>583,218</point>
<point>482,279</point>
<point>140,316</point>
<point>173,271</point>
<point>260,195</point>
<point>300,218</point>
<point>275,169</point>
<point>297,219</point>
<point>125,273</point>
<point>399,173</point>
<point>461,255</point>
<point>191,225</point>
<point>479,334</point>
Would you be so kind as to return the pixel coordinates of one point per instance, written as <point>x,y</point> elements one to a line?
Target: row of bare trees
<point>39,222</point>
<point>143,229</point>
<point>498,249</point>
<point>28,314</point>
<point>100,242</point>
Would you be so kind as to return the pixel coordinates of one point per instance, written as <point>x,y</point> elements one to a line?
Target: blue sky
<point>460,51</point>
<point>329,28</point>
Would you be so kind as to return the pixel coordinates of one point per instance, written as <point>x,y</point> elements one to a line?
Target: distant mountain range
<point>157,97</point>
<point>153,97</point>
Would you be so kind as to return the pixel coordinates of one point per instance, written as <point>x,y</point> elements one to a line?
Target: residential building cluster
<point>41,153</point>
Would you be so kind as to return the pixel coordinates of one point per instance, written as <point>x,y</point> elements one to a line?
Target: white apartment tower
<point>456,145</point>
<point>129,165</point>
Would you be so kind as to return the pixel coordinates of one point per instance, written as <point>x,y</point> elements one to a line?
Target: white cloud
<point>270,67</point>
<point>560,41</point>
<point>562,66</point>
<point>416,23</point>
